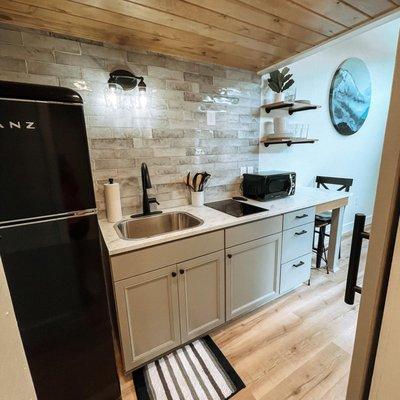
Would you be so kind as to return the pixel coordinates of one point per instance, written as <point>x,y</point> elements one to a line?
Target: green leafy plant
<point>279,81</point>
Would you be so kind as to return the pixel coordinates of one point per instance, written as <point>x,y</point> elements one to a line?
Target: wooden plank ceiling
<point>248,34</point>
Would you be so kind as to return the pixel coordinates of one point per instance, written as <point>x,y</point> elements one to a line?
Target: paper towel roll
<point>113,201</point>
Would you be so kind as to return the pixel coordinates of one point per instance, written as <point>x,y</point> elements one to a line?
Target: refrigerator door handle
<point>48,218</point>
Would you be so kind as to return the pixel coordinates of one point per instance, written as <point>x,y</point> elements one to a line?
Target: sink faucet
<point>146,184</point>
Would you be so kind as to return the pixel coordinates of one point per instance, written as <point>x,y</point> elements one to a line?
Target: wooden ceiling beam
<point>372,7</point>
<point>165,19</point>
<point>240,11</point>
<point>15,13</point>
<point>136,43</point>
<point>248,34</point>
<point>335,10</point>
<point>365,27</point>
<point>298,15</point>
<point>195,13</point>
<point>66,7</point>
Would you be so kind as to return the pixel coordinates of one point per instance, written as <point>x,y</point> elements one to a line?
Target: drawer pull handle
<point>173,274</point>
<point>298,265</point>
<point>301,216</point>
<point>181,271</point>
<point>229,255</point>
<point>300,233</point>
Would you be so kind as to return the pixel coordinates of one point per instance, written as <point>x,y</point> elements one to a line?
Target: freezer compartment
<point>45,167</point>
<point>56,280</point>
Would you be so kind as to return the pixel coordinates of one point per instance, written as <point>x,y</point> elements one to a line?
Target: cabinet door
<point>148,315</point>
<point>201,294</point>
<point>252,274</point>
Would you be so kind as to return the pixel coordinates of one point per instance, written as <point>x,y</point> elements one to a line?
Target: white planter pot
<point>279,97</point>
<point>280,126</point>
<point>197,199</point>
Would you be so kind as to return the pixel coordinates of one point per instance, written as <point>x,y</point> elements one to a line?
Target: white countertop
<point>215,220</point>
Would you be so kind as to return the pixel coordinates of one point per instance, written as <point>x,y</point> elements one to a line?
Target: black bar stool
<point>323,220</point>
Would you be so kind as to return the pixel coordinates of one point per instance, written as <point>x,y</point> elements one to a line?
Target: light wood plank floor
<point>297,347</point>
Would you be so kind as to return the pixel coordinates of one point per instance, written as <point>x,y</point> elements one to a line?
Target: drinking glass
<point>290,94</point>
<point>304,131</point>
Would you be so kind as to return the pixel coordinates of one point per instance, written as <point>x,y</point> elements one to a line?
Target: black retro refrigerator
<point>49,244</point>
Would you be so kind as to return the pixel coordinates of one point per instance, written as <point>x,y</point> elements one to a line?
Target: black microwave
<point>268,185</point>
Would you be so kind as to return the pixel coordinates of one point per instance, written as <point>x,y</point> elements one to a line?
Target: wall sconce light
<point>117,94</point>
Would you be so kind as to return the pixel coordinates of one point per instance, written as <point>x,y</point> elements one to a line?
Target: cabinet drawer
<point>253,230</point>
<point>295,272</point>
<point>299,217</point>
<point>297,242</point>
<point>151,258</point>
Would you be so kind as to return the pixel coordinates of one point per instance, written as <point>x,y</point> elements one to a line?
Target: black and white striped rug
<point>197,371</point>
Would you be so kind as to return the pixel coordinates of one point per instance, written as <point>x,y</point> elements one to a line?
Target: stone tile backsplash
<point>171,135</point>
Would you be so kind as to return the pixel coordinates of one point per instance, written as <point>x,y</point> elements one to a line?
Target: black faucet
<point>146,184</point>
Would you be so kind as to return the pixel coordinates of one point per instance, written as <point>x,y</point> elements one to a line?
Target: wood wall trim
<point>380,252</point>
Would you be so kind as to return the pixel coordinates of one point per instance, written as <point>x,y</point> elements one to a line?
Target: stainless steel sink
<point>158,224</point>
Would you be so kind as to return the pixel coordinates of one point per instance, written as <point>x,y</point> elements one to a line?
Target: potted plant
<point>279,81</point>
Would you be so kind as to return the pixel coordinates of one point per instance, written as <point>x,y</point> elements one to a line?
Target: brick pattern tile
<point>171,135</point>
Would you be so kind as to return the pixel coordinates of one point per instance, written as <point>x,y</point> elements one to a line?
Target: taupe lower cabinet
<point>159,310</point>
<point>252,274</point>
<point>148,311</point>
<point>211,278</point>
<point>201,294</point>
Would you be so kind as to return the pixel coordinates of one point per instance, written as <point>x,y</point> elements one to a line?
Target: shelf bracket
<point>305,108</point>
<point>290,142</point>
<point>277,107</point>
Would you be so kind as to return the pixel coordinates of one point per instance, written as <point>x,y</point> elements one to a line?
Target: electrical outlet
<point>243,170</point>
<point>250,169</point>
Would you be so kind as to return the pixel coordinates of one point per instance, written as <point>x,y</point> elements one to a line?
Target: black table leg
<point>320,246</point>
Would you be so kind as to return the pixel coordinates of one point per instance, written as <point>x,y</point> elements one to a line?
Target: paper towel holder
<point>113,201</point>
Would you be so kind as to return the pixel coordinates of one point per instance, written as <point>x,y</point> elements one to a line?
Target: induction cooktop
<point>235,208</point>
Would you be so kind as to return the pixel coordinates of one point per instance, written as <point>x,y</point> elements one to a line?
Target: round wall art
<point>350,96</point>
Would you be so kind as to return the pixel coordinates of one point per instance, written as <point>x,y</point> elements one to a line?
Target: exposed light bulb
<point>142,94</point>
<point>126,100</point>
<point>119,94</point>
<point>142,98</point>
<point>113,96</point>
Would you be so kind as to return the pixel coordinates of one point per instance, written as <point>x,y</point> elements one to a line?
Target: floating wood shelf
<point>288,142</point>
<point>291,107</point>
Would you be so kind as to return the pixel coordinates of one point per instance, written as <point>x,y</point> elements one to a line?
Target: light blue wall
<point>356,156</point>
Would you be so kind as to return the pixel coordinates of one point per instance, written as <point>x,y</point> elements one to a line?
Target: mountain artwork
<point>350,96</point>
